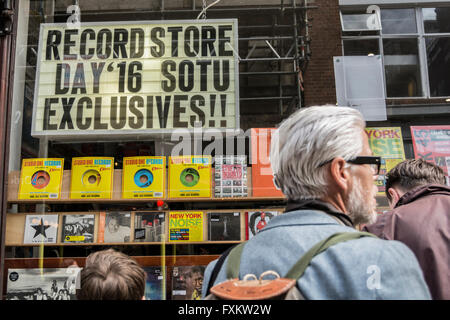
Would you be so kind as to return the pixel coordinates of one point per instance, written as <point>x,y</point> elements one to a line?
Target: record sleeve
<point>155,285</point>
<point>92,178</point>
<point>257,220</point>
<point>78,228</point>
<point>190,177</point>
<point>41,178</point>
<point>262,175</point>
<point>230,177</point>
<point>187,282</point>
<point>143,177</point>
<point>149,226</point>
<point>41,228</point>
<point>117,227</point>
<point>185,226</point>
<point>43,284</point>
<point>224,226</point>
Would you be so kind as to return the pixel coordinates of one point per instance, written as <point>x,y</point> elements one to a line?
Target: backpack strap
<point>300,266</point>
<point>216,269</point>
<point>234,261</point>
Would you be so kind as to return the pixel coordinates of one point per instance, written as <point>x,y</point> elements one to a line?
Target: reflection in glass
<point>361,47</point>
<point>438,57</point>
<point>436,20</point>
<point>360,22</point>
<point>401,64</point>
<point>397,21</point>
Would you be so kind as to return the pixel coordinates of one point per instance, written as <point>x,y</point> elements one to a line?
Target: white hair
<point>309,138</point>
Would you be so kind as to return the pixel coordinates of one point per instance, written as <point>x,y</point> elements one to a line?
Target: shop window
<point>438,57</point>
<point>361,47</point>
<point>436,20</point>
<point>398,21</point>
<point>360,22</point>
<point>401,64</point>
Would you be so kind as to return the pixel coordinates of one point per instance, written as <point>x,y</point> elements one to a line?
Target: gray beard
<point>359,210</point>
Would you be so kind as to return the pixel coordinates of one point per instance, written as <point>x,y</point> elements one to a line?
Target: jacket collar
<point>294,205</point>
<point>421,191</point>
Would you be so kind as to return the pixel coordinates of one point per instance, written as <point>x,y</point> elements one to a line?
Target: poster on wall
<point>130,79</point>
<point>386,142</point>
<point>432,143</point>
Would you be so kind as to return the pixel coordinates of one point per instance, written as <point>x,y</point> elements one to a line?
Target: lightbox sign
<point>106,80</point>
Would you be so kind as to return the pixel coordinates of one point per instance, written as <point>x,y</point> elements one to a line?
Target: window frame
<point>420,35</point>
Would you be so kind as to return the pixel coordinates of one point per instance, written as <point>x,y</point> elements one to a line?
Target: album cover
<point>185,226</point>
<point>43,284</point>
<point>230,177</point>
<point>187,282</point>
<point>155,283</point>
<point>41,178</point>
<point>92,178</point>
<point>149,226</point>
<point>224,226</point>
<point>257,220</point>
<point>41,228</point>
<point>78,228</point>
<point>143,177</point>
<point>189,176</point>
<point>117,227</point>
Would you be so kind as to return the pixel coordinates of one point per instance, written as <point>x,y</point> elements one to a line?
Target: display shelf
<point>15,229</point>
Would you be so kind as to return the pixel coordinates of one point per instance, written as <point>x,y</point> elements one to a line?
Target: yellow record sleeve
<point>41,178</point>
<point>143,177</point>
<point>190,177</point>
<point>92,178</point>
<point>186,226</point>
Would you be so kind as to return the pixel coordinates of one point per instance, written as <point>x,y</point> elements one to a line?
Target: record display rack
<point>14,178</point>
<point>15,229</point>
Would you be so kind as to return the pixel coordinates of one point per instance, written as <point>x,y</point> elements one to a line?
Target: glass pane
<point>361,22</point>
<point>436,20</point>
<point>401,65</point>
<point>394,21</point>
<point>438,57</point>
<point>361,47</point>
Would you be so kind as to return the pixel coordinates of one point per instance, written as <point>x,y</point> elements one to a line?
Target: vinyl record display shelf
<point>116,195</point>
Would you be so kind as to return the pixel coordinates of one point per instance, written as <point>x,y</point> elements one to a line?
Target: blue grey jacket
<point>366,268</point>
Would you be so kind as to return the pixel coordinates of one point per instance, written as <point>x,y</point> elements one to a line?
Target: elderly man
<point>322,162</point>
<point>420,218</point>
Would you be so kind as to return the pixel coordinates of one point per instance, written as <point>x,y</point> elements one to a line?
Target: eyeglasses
<point>373,161</point>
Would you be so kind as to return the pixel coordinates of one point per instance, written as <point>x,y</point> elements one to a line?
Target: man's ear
<point>340,177</point>
<point>395,196</point>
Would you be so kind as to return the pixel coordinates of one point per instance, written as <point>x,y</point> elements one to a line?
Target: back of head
<point>307,139</point>
<point>412,173</point>
<point>111,275</point>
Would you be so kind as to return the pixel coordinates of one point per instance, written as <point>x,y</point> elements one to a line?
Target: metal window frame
<point>421,36</point>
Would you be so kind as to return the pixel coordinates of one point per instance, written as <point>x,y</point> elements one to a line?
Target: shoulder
<point>366,268</point>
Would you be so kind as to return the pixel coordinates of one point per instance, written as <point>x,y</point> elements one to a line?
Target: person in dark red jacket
<point>420,218</point>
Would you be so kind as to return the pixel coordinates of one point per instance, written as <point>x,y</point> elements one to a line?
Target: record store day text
<point>135,77</point>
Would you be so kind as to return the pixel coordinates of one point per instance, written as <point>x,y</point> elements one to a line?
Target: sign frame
<point>132,134</point>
